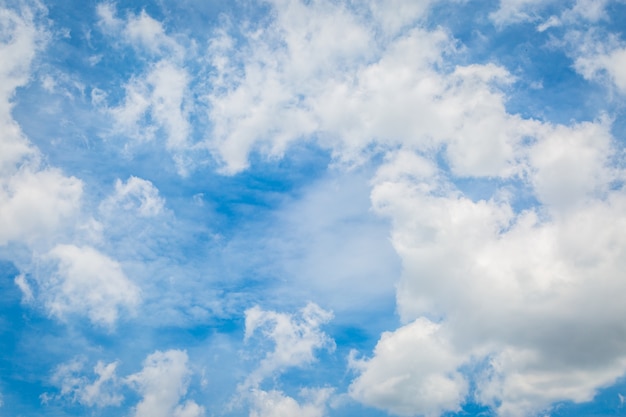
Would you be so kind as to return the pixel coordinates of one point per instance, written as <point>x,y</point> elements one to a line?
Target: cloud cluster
<point>155,102</point>
<point>529,292</point>
<point>358,92</point>
<point>162,384</point>
<point>36,201</point>
<point>484,281</point>
<point>41,208</point>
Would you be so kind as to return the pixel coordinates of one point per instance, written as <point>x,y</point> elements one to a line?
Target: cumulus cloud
<point>572,164</point>
<point>513,295</point>
<point>381,92</point>
<point>35,201</point>
<point>163,384</point>
<point>295,338</point>
<point>84,281</point>
<point>510,267</point>
<point>414,371</point>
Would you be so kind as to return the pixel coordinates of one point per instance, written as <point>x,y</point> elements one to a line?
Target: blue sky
<point>312,208</point>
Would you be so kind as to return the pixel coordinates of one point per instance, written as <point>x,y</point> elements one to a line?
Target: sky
<point>313,208</point>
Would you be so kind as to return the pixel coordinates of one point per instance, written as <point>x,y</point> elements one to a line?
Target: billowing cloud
<point>88,283</point>
<point>163,383</point>
<point>414,371</point>
<point>514,292</point>
<point>394,94</point>
<point>34,204</point>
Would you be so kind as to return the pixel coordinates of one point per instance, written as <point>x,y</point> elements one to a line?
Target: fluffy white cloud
<point>86,282</point>
<point>597,62</point>
<point>380,92</point>
<point>295,338</point>
<point>136,195</point>
<point>569,165</point>
<point>163,383</point>
<point>277,404</point>
<point>103,391</point>
<point>35,201</point>
<point>413,372</point>
<point>531,293</point>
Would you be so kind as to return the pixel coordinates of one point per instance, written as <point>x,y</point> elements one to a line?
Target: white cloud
<point>21,40</point>
<point>570,164</point>
<point>597,61</point>
<point>135,195</point>
<point>86,282</point>
<point>395,15</point>
<point>295,339</point>
<point>27,292</point>
<point>35,201</point>
<point>34,204</point>
<point>103,391</point>
<point>507,287</point>
<point>156,101</point>
<point>277,404</point>
<point>139,30</point>
<point>413,372</point>
<point>163,383</point>
<point>159,95</point>
<point>387,93</point>
<point>591,10</point>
